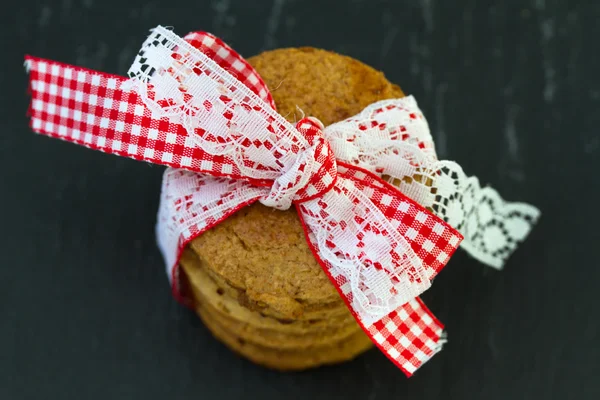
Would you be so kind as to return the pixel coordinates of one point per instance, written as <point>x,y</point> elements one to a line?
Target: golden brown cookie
<point>256,283</point>
<point>288,359</point>
<point>258,328</point>
<point>263,253</point>
<point>326,85</point>
<point>326,310</point>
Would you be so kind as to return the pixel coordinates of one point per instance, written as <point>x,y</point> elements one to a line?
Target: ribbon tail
<point>93,109</point>
<point>104,112</point>
<point>380,249</point>
<point>409,336</point>
<point>190,205</point>
<point>492,227</point>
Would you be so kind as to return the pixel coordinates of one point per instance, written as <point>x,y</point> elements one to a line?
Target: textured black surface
<point>512,92</point>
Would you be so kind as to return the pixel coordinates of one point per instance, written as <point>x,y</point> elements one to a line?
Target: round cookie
<point>259,257</point>
<point>325,85</point>
<point>263,252</point>
<point>287,360</point>
<point>259,329</point>
<point>192,264</point>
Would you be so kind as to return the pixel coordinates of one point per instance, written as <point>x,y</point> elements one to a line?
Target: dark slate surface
<point>512,92</point>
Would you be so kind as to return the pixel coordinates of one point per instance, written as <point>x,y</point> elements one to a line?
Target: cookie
<point>258,328</point>
<point>287,360</point>
<point>263,252</point>
<point>325,85</point>
<point>310,312</point>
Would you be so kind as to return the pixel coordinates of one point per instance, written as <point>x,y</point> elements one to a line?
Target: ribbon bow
<point>195,105</point>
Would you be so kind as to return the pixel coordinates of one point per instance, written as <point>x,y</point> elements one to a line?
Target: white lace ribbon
<point>392,138</point>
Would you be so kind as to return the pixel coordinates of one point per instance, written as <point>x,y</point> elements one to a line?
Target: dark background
<point>512,92</point>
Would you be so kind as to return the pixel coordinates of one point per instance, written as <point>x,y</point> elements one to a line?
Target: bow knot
<point>313,173</point>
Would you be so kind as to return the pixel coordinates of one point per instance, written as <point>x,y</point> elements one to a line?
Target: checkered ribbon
<point>198,107</point>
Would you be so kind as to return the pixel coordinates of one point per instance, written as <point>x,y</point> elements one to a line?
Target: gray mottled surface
<point>512,92</point>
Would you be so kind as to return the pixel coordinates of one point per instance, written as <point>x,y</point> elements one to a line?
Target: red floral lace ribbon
<point>198,107</point>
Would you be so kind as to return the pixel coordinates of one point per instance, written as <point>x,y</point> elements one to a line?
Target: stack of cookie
<point>266,297</point>
<point>254,281</point>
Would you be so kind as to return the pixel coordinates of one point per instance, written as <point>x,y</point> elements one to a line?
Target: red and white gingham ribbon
<point>197,106</point>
